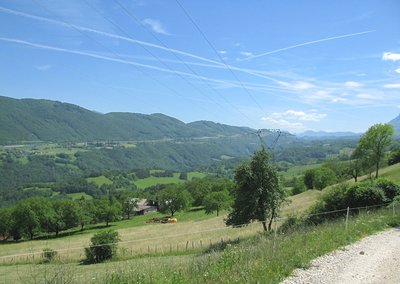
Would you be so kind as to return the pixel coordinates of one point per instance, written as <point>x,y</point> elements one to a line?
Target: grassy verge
<point>257,259</point>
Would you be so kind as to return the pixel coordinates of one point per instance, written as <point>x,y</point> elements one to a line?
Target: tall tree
<point>375,140</point>
<point>258,194</point>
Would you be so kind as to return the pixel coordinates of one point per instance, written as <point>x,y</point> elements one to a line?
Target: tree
<point>129,204</point>
<point>103,246</point>
<point>324,177</point>
<point>25,221</point>
<point>183,176</point>
<point>375,140</point>
<point>86,210</point>
<point>308,178</point>
<point>174,198</point>
<point>5,223</point>
<point>216,201</point>
<point>67,215</point>
<point>356,163</point>
<point>258,194</point>
<point>394,157</point>
<point>108,210</point>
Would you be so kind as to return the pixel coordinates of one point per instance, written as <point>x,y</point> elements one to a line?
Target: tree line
<point>42,216</point>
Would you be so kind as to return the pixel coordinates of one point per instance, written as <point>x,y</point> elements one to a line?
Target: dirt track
<point>375,259</point>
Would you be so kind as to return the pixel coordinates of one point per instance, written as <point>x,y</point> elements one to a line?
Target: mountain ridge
<point>47,120</point>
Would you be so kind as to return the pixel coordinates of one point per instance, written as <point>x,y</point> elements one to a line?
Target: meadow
<point>197,249</point>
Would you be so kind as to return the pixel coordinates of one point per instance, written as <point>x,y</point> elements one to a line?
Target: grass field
<point>194,230</point>
<point>79,195</point>
<point>391,172</point>
<point>152,181</point>
<point>100,180</point>
<point>256,259</point>
<point>174,253</point>
<point>299,169</point>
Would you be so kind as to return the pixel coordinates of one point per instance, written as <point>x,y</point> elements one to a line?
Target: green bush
<point>390,188</point>
<point>361,195</point>
<point>344,195</point>
<point>103,246</point>
<point>48,254</point>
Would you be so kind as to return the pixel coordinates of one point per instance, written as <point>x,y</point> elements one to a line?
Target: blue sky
<point>294,65</point>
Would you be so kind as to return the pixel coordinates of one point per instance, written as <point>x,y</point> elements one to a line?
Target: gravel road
<point>374,259</point>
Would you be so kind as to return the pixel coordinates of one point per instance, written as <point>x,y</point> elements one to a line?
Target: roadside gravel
<point>374,259</point>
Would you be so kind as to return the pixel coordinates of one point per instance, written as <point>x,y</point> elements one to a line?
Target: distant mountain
<point>45,120</point>
<point>324,134</point>
<point>396,125</point>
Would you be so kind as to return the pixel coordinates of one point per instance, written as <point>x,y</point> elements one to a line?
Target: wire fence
<point>189,242</point>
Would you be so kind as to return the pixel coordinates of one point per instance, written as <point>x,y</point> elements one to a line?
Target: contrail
<point>217,64</point>
<point>107,58</point>
<point>115,36</point>
<point>306,43</point>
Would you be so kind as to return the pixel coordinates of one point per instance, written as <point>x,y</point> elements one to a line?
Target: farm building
<point>144,206</point>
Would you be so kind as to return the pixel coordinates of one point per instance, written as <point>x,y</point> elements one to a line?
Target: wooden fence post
<point>275,233</point>
<point>347,218</point>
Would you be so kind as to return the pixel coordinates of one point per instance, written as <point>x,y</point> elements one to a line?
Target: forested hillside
<point>396,125</point>
<point>45,120</point>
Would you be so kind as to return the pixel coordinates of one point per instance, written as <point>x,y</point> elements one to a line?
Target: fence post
<point>347,218</point>
<point>275,233</point>
<point>394,212</point>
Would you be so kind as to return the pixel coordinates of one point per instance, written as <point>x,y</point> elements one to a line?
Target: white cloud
<point>43,67</point>
<point>246,53</point>
<point>222,51</point>
<point>298,115</point>
<point>156,26</point>
<point>301,85</point>
<point>282,123</point>
<point>338,100</point>
<point>352,84</point>
<point>392,86</point>
<point>369,97</point>
<point>391,56</point>
<point>397,70</point>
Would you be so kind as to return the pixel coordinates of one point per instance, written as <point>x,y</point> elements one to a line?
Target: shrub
<point>345,195</point>
<point>361,195</point>
<point>390,188</point>
<point>103,246</point>
<point>394,157</point>
<point>48,254</point>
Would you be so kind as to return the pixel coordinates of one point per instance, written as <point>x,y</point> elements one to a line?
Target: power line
<point>219,56</point>
<point>130,14</point>
<point>111,51</point>
<point>149,52</point>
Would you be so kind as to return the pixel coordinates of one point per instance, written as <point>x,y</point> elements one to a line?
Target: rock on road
<point>374,259</point>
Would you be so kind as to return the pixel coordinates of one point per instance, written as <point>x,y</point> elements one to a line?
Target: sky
<point>293,65</point>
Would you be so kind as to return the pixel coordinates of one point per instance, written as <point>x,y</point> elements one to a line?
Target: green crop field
<point>79,195</point>
<point>100,180</point>
<point>299,169</point>
<point>152,181</point>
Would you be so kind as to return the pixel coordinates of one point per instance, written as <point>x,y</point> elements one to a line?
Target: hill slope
<point>396,125</point>
<point>45,120</point>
